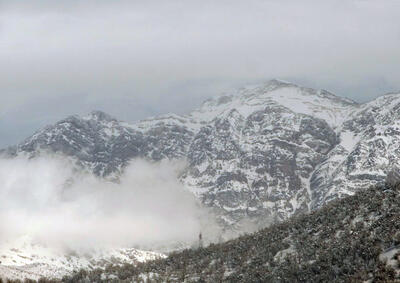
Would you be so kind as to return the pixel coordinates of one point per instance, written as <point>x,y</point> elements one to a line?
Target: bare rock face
<point>393,177</point>
<point>264,152</point>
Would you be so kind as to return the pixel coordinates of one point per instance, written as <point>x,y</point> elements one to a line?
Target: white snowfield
<point>317,103</point>
<point>22,258</point>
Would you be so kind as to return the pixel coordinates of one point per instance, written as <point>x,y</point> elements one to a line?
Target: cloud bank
<point>124,57</point>
<point>147,208</point>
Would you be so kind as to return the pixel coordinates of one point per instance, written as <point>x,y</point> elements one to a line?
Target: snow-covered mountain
<point>265,151</point>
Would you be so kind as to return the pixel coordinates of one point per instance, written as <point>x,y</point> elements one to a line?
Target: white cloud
<point>126,56</point>
<point>148,208</point>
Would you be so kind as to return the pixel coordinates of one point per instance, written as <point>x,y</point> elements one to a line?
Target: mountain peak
<point>99,116</point>
<point>278,82</point>
<point>278,93</point>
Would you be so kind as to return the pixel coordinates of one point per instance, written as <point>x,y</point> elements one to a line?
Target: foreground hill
<point>354,239</point>
<point>263,152</point>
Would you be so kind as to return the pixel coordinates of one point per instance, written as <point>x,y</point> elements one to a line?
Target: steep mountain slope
<point>264,152</point>
<point>354,239</point>
<point>368,151</point>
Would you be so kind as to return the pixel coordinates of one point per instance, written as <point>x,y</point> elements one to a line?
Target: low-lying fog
<point>45,199</point>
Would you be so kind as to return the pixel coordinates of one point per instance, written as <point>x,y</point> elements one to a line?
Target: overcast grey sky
<point>134,59</point>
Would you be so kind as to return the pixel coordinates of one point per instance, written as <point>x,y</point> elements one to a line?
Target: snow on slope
<point>368,150</point>
<point>318,103</point>
<point>23,258</point>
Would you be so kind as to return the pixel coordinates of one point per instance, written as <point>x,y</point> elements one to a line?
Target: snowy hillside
<point>23,258</point>
<point>354,239</point>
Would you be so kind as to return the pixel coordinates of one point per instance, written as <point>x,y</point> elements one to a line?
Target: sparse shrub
<point>339,243</point>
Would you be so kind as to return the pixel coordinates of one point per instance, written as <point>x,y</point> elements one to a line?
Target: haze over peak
<point>99,115</point>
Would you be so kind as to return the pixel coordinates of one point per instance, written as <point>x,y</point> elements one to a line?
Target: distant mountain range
<point>263,152</point>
